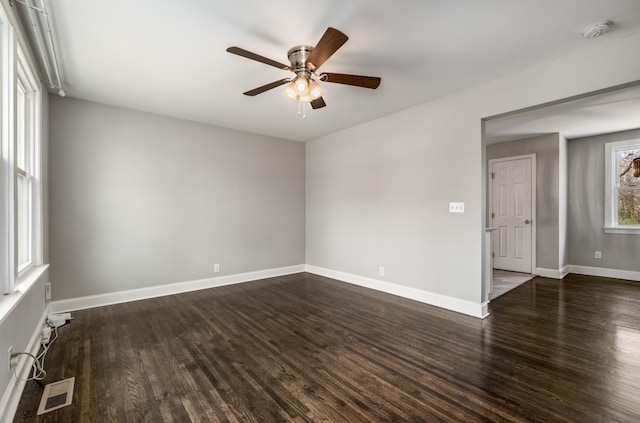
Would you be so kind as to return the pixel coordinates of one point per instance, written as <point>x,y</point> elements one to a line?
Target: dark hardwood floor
<point>303,348</point>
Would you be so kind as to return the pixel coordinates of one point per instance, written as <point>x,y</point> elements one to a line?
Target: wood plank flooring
<point>304,348</point>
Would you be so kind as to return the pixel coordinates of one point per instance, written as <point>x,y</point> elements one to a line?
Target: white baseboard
<point>605,272</point>
<point>479,310</point>
<point>552,273</point>
<point>13,393</point>
<point>454,304</point>
<point>485,310</point>
<point>91,301</point>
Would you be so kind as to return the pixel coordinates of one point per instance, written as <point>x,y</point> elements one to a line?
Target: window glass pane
<point>24,221</point>
<point>624,160</point>
<point>629,206</point>
<point>21,133</point>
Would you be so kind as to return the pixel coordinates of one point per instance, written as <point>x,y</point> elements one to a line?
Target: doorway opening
<point>604,111</point>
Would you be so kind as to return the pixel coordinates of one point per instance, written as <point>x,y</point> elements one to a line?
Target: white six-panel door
<point>511,214</point>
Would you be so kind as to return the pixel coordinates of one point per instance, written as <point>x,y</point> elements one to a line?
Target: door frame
<point>534,221</point>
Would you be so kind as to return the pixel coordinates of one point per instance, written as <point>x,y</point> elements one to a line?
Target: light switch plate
<point>456,207</point>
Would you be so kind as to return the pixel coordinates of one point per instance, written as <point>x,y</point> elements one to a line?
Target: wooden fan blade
<point>330,42</point>
<point>266,87</point>
<point>357,80</point>
<point>318,103</point>
<point>249,55</point>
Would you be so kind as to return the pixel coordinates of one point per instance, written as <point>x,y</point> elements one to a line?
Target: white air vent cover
<point>56,395</point>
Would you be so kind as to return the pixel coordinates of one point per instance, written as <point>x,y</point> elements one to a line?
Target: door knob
<point>527,221</point>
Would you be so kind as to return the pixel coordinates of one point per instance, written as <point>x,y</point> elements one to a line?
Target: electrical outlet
<point>598,254</point>
<point>216,268</point>
<point>47,291</point>
<point>381,271</point>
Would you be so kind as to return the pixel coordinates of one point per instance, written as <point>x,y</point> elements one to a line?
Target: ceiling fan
<point>305,61</point>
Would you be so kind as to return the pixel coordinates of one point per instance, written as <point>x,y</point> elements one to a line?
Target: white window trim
<point>25,73</point>
<point>610,205</point>
<point>13,62</point>
<point>7,174</point>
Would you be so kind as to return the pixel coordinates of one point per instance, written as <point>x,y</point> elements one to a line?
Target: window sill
<point>26,282</point>
<point>634,230</point>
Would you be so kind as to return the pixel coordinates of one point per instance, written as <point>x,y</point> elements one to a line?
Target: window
<point>622,189</point>
<point>628,188</point>
<point>26,175</point>
<point>27,165</point>
<point>20,177</point>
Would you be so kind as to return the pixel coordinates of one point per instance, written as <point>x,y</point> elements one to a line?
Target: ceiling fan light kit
<point>303,89</point>
<point>304,61</point>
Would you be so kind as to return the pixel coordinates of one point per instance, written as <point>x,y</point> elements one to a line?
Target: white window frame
<point>14,69</point>
<point>610,188</point>
<point>7,247</point>
<point>32,132</point>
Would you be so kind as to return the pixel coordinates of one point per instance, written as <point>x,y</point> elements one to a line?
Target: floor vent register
<point>56,395</point>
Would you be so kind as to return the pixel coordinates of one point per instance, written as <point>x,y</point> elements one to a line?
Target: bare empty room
<point>361,211</point>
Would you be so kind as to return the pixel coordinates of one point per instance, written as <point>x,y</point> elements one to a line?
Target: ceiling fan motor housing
<point>298,57</point>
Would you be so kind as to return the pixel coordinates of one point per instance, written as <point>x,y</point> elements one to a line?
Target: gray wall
<point>378,195</point>
<point>138,200</point>
<point>546,148</point>
<point>586,208</point>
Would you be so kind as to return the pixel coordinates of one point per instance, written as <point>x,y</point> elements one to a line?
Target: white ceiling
<point>600,113</point>
<point>168,57</point>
